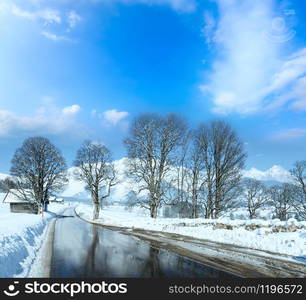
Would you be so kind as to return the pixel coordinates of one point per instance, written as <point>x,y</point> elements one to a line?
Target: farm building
<point>19,206</point>
<point>53,199</point>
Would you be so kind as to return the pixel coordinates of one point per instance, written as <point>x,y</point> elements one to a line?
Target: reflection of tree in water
<point>152,265</point>
<point>179,266</point>
<point>165,264</point>
<point>90,266</point>
<point>105,258</point>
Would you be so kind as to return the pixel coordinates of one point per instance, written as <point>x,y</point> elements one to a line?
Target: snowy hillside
<point>21,236</point>
<point>77,190</point>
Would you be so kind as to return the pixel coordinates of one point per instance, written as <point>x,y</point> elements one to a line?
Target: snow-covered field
<point>287,238</point>
<point>21,236</point>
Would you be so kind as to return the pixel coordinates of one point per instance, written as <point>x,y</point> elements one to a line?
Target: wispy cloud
<point>47,119</point>
<point>71,110</point>
<point>209,27</point>
<point>290,134</point>
<point>289,83</point>
<point>185,6</point>
<point>47,15</point>
<point>113,116</point>
<point>50,21</point>
<point>73,19</point>
<point>54,37</point>
<point>250,74</point>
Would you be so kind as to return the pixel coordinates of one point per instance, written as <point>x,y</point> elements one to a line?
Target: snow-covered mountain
<point>3,176</point>
<point>275,173</point>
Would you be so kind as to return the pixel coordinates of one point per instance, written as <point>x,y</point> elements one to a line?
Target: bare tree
<point>151,147</point>
<point>282,197</point>
<point>298,174</point>
<point>187,178</point>
<point>223,158</point>
<point>180,194</point>
<point>95,168</point>
<point>38,170</point>
<point>7,184</point>
<point>256,195</point>
<point>195,177</point>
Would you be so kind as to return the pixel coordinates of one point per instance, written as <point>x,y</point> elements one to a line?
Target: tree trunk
<point>96,203</point>
<point>153,211</point>
<point>194,207</point>
<point>209,213</point>
<point>283,215</point>
<point>96,211</point>
<point>251,212</point>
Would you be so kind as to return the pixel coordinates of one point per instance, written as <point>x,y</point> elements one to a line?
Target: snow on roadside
<point>287,238</point>
<point>21,236</point>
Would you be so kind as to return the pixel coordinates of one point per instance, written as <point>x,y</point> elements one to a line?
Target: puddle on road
<point>85,250</point>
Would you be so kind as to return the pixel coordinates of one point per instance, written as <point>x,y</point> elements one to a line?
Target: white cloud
<point>47,15</point>
<point>71,110</point>
<point>50,16</point>
<point>290,83</point>
<point>250,74</point>
<point>209,27</point>
<point>54,37</point>
<point>290,134</point>
<point>275,173</point>
<point>44,16</point>
<point>290,70</point>
<point>73,18</point>
<point>113,116</point>
<point>47,119</point>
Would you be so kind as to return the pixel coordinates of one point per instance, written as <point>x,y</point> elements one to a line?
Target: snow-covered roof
<point>11,197</point>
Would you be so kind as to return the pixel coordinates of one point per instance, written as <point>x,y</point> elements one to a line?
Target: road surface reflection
<point>85,250</point>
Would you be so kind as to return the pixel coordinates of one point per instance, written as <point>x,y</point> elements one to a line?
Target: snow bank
<point>21,236</point>
<point>287,238</point>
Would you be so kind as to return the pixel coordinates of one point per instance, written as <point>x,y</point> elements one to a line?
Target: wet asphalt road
<point>84,250</point>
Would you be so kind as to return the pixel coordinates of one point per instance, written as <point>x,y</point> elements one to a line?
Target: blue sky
<point>76,69</point>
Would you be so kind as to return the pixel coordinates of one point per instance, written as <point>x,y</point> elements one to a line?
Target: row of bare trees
<point>281,197</point>
<point>198,170</point>
<point>288,198</point>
